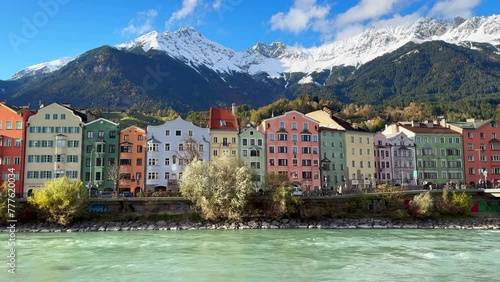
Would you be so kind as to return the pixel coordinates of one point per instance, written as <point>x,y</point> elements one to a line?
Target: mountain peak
<point>41,68</point>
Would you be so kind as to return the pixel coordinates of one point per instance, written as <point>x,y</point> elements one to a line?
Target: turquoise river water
<point>256,255</point>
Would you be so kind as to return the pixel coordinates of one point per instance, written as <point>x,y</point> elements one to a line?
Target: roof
<point>222,119</point>
<point>422,128</point>
<point>472,123</point>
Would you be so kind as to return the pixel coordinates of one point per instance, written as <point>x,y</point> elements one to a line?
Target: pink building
<point>293,148</point>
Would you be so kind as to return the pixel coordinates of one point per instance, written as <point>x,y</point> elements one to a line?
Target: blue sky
<point>44,30</point>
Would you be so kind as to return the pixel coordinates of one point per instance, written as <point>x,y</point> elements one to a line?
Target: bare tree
<point>189,150</point>
<point>114,175</point>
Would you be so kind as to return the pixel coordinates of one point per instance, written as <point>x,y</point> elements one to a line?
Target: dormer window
<point>222,123</point>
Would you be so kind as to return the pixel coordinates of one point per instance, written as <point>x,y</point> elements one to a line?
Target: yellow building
<point>54,145</point>
<point>359,154</point>
<point>224,132</point>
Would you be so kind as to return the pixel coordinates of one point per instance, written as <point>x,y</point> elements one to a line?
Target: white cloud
<point>449,9</point>
<point>188,7</point>
<point>217,4</point>
<point>301,16</point>
<point>368,10</point>
<point>142,23</point>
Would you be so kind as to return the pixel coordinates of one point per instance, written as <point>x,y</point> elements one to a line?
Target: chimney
<point>327,110</point>
<point>233,108</point>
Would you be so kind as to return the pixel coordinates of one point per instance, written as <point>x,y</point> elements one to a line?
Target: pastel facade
<point>293,148</point>
<point>253,152</point>
<point>101,140</point>
<point>333,161</point>
<point>395,159</point>
<point>360,160</point>
<point>224,132</point>
<point>171,146</point>
<point>439,151</point>
<point>481,147</point>
<point>13,122</point>
<point>54,145</point>
<point>132,157</point>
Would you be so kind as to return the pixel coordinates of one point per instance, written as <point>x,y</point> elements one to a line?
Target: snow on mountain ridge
<point>41,68</point>
<point>275,59</point>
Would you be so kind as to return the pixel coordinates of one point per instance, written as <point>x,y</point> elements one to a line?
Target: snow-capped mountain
<point>276,59</point>
<point>38,69</point>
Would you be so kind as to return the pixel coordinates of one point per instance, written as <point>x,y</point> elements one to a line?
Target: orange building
<point>13,122</point>
<point>132,160</point>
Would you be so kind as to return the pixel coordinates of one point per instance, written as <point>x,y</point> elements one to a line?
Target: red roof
<point>222,119</point>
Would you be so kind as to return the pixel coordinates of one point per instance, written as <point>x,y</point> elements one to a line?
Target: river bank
<point>476,223</point>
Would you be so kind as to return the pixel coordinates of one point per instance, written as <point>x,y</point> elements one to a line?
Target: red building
<point>132,160</point>
<point>481,149</point>
<point>293,148</point>
<point>13,122</point>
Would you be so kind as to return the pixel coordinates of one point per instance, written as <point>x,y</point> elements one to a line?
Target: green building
<point>100,156</point>
<point>439,151</point>
<point>252,150</point>
<point>333,160</point>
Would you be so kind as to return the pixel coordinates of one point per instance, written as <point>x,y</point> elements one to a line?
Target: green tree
<point>60,199</point>
<point>220,189</point>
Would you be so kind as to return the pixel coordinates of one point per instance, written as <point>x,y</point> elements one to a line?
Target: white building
<point>169,147</point>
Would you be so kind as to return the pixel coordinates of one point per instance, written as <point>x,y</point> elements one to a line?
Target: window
<point>294,137</point>
<point>190,133</point>
<point>306,175</point>
<point>181,147</point>
<point>17,142</point>
<point>282,149</point>
<point>152,147</point>
<point>140,137</point>
<point>126,137</point>
<point>47,116</point>
<point>167,175</point>
<point>167,147</point>
<point>60,143</point>
<point>306,162</point>
<point>233,140</point>
<point>152,161</point>
<point>244,142</point>
<point>305,125</point>
<point>271,136</point>
<point>294,125</point>
<point>315,150</point>
<point>254,153</point>
<point>315,138</point>
<point>282,137</point>
<point>19,125</point>
<point>167,132</point>
<point>139,149</point>
<point>282,124</point>
<point>200,147</point>
<point>152,175</point>
<point>306,150</point>
<point>138,162</point>
<point>90,134</point>
<point>352,139</point>
<point>100,134</point>
<point>215,140</point>
<point>178,133</point>
<point>282,162</point>
<point>271,162</point>
<point>215,153</point>
<point>245,153</point>
<point>125,162</point>
<point>123,149</point>
<point>111,148</point>
<point>17,160</point>
<point>60,158</point>
<point>306,137</point>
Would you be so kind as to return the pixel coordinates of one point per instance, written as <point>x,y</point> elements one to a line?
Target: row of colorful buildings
<point>317,150</point>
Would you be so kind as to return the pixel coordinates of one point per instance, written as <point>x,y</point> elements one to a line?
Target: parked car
<point>297,191</point>
<point>126,195</point>
<point>106,194</point>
